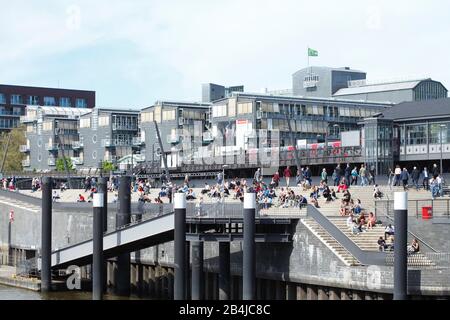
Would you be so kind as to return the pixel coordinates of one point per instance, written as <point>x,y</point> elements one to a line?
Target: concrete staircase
<point>346,257</point>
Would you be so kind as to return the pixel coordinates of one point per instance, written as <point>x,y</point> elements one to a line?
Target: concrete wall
<point>305,260</point>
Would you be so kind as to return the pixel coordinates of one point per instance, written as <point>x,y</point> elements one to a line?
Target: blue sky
<point>139,51</point>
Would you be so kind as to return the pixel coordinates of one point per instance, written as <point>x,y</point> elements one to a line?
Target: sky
<point>135,52</point>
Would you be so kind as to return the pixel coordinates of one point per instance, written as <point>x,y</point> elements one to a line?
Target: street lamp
<point>440,131</point>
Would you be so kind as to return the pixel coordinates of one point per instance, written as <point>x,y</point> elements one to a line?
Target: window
<point>85,122</point>
<point>17,111</point>
<point>103,121</point>
<point>2,98</point>
<point>147,116</point>
<point>16,99</point>
<point>64,102</point>
<point>219,111</point>
<point>47,126</point>
<point>49,101</point>
<point>244,108</point>
<point>80,103</point>
<point>168,115</point>
<point>33,100</point>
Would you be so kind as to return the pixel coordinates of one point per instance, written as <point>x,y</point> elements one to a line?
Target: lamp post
<point>440,131</point>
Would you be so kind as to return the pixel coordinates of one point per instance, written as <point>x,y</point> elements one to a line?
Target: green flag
<point>312,53</point>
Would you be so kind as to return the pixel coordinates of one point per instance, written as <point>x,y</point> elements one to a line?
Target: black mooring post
<point>98,274</point>
<point>400,247</point>
<point>197,270</point>
<point>124,218</point>
<point>249,254</point>
<point>180,246</point>
<point>224,271</point>
<point>103,188</point>
<point>46,236</point>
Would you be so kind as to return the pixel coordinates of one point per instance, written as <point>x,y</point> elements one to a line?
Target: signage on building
<point>351,138</point>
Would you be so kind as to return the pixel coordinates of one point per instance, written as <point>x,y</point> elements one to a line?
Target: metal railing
<point>440,207</point>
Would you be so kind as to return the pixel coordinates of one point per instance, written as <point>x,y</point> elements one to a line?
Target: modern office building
<point>107,135</point>
<point>395,91</point>
<point>410,133</point>
<point>323,82</point>
<point>51,132</point>
<point>309,119</point>
<point>173,118</point>
<point>212,92</point>
<point>14,99</point>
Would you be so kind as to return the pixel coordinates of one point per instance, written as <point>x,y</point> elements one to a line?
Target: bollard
<point>224,271</point>
<point>400,247</point>
<point>97,252</point>
<point>103,188</point>
<point>46,236</point>
<point>249,254</point>
<point>197,270</point>
<point>123,218</point>
<point>180,246</point>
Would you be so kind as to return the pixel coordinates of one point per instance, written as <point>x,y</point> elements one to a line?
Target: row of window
<point>47,101</point>
<point>306,110</point>
<point>6,123</point>
<point>418,135</point>
<point>168,115</point>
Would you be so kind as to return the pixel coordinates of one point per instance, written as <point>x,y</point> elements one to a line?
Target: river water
<point>12,293</point>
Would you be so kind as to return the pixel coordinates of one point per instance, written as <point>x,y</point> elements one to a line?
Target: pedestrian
<point>415,174</point>
<point>372,174</point>
<point>257,176</point>
<point>348,173</point>
<point>405,178</point>
<point>308,175</point>
<point>435,170</point>
<point>397,172</point>
<point>354,176</point>
<point>362,174</point>
<point>287,175</point>
<point>391,178</point>
<point>324,176</point>
<point>425,179</point>
<point>338,175</point>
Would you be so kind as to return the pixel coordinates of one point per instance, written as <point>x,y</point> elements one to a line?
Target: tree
<point>60,164</point>
<point>108,166</point>
<point>14,157</point>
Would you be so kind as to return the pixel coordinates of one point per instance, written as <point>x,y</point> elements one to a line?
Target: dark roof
<point>437,108</point>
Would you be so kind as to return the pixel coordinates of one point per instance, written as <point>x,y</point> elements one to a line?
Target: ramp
<point>127,239</point>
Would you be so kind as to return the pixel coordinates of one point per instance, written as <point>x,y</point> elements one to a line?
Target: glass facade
<point>80,103</point>
<point>428,90</point>
<point>49,101</point>
<point>378,145</point>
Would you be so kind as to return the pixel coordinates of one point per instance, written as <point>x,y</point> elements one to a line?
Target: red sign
<point>11,215</point>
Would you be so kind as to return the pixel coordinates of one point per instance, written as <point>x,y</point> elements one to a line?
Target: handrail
<point>365,257</point>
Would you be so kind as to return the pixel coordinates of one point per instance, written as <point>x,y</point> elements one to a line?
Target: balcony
<point>110,143</point>
<point>77,145</point>
<point>27,119</point>
<point>25,163</point>
<point>51,161</point>
<point>137,141</point>
<point>24,148</point>
<point>51,146</point>
<point>123,127</point>
<point>77,160</point>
